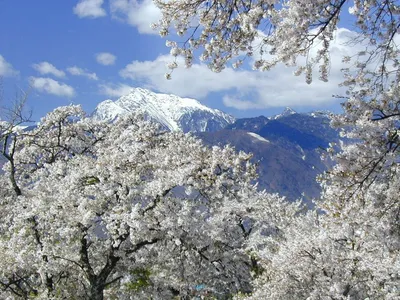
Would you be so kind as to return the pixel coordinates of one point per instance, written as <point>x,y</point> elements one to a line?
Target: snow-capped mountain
<point>287,112</point>
<point>172,112</point>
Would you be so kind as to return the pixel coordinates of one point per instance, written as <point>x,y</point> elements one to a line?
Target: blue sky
<point>86,51</point>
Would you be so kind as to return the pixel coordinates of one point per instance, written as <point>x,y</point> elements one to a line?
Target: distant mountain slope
<point>315,123</point>
<point>172,112</point>
<point>311,130</point>
<point>249,124</point>
<point>286,147</point>
<point>277,130</point>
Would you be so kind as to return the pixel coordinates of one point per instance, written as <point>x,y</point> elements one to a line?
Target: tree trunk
<point>96,291</point>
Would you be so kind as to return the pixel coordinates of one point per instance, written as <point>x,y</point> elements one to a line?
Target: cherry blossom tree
<point>351,249</point>
<point>271,32</point>
<point>92,210</point>
<point>348,248</point>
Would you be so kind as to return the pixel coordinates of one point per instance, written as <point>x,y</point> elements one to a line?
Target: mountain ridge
<point>287,147</point>
<point>172,112</point>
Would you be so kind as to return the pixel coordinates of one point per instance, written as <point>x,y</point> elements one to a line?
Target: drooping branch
<point>141,245</point>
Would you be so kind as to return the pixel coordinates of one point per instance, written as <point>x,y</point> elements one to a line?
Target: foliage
<point>350,249</point>
<point>85,203</point>
<point>141,279</point>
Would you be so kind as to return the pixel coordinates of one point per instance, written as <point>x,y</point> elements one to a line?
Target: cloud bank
<point>140,14</point>
<point>45,67</point>
<point>6,69</point>
<point>245,89</point>
<point>76,71</point>
<point>51,86</point>
<point>89,9</point>
<point>114,90</point>
<point>105,58</point>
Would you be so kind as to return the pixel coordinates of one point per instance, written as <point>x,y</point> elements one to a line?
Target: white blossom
<point>93,203</point>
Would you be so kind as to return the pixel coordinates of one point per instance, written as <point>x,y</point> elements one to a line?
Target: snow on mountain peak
<point>287,112</point>
<point>173,112</point>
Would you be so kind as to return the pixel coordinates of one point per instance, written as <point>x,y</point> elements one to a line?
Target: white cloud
<point>80,72</point>
<point>105,58</point>
<point>51,86</point>
<point>115,90</point>
<point>6,69</point>
<point>140,14</point>
<point>47,68</point>
<point>230,101</point>
<point>246,89</point>
<point>90,9</point>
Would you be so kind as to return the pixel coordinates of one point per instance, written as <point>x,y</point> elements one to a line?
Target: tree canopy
<point>274,31</point>
<point>91,209</point>
<point>348,248</point>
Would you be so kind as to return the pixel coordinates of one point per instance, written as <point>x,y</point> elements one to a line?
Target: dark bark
<point>96,291</point>
<point>97,282</point>
<point>9,155</point>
